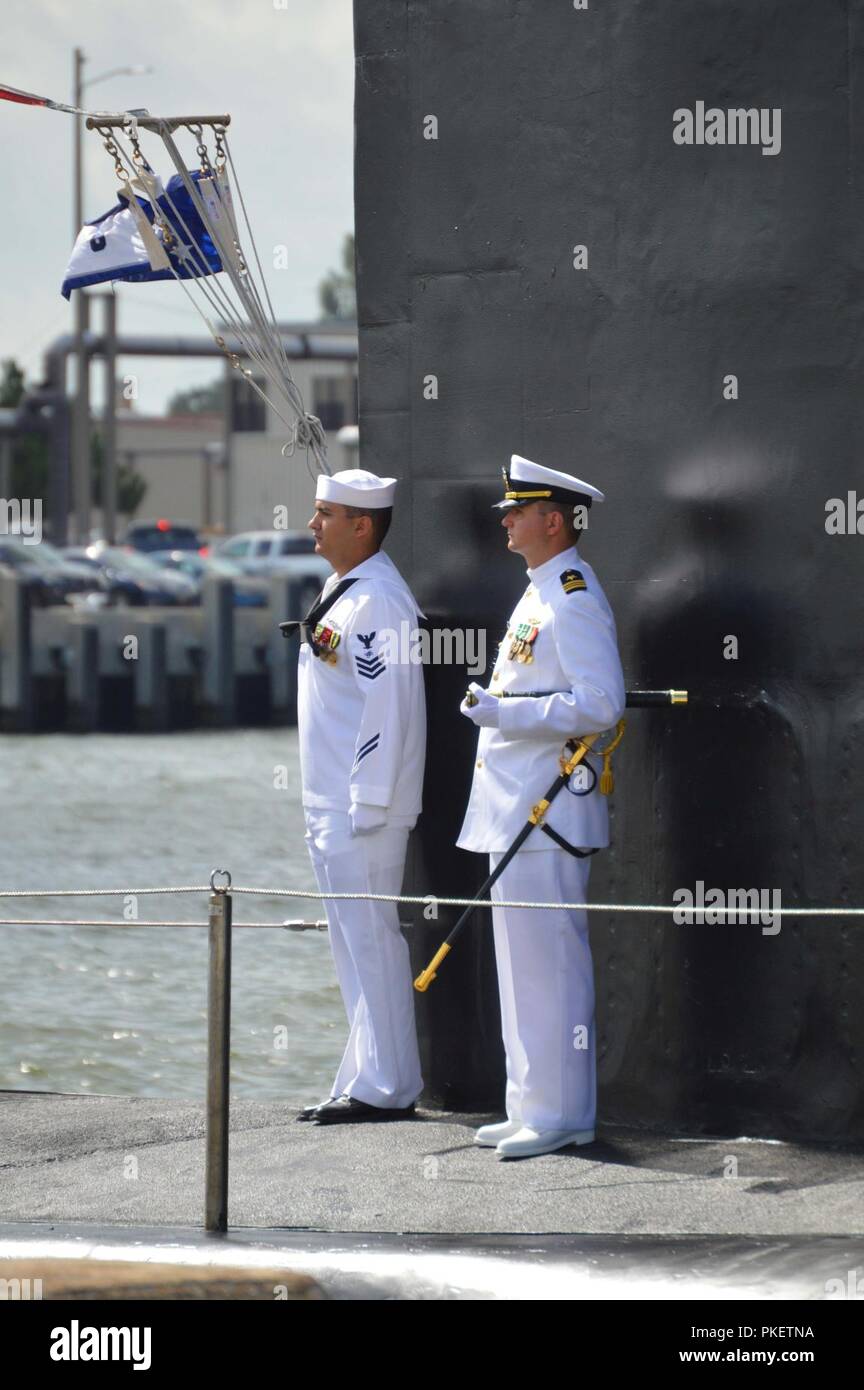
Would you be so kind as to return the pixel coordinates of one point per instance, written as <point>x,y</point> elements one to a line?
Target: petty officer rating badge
<point>369,664</point>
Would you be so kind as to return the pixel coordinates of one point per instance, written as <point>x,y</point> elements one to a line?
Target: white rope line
<point>247,291</point>
<point>266,350</point>
<point>307,430</point>
<point>99,922</point>
<point>277,336</point>
<point>215,294</point>
<point>270,326</point>
<point>100,892</point>
<point>258,349</point>
<point>211,290</point>
<point>203,277</point>
<point>430,898</point>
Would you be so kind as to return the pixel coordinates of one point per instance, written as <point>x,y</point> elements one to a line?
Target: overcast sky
<point>285,76</point>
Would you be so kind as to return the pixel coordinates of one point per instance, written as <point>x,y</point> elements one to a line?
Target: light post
<point>214,457</point>
<point>81,416</point>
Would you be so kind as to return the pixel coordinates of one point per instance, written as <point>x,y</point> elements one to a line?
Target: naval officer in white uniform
<point>362,726</point>
<point>557,674</point>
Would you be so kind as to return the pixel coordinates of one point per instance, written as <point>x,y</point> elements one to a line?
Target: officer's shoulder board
<point>571,581</point>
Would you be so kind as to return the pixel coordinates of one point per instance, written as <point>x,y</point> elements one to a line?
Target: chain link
<point>108,141</point>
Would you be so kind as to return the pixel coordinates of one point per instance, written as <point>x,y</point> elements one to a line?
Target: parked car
<point>249,592</point>
<point>278,552</point>
<point>135,579</point>
<point>53,578</point>
<point>162,535</point>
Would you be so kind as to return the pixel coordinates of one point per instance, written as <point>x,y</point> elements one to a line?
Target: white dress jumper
<point>362,729</point>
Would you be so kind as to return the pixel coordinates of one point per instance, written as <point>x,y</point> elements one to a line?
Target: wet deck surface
<point>418,1201</point>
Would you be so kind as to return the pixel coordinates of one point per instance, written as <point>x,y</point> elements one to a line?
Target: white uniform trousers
<point>381,1062</point>
<point>546,986</point>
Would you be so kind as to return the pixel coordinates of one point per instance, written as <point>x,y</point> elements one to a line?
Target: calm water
<point>124,1010</point>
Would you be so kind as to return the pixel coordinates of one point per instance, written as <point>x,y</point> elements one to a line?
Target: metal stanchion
<point>218,1047</point>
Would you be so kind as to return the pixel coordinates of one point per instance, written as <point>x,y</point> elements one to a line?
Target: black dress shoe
<point>308,1111</point>
<point>347,1111</point>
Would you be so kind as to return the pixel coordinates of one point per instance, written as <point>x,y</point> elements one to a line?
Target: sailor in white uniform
<point>557,675</point>
<point>362,727</point>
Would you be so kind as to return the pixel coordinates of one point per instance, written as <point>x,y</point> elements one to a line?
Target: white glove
<point>486,711</point>
<point>366,818</point>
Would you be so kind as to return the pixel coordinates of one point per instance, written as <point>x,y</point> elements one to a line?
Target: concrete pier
<point>16,655</point>
<point>149,669</point>
<point>287,598</point>
<point>151,681</point>
<point>414,1209</point>
<point>82,678</point>
<point>217,602</point>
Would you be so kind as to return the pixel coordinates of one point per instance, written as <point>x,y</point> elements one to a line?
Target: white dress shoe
<point>490,1136</point>
<point>527,1142</point>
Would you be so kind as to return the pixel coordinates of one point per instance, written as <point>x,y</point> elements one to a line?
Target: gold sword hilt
<point>425,978</point>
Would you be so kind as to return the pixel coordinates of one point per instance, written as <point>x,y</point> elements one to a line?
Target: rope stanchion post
<point>218,1053</point>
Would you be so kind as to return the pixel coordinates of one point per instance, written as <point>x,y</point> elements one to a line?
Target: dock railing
<point>221,926</point>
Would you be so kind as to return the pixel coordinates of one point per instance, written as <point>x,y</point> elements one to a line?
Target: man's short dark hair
<point>573,531</point>
<point>380,518</point>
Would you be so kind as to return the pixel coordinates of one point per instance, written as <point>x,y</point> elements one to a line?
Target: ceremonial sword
<point>635,699</point>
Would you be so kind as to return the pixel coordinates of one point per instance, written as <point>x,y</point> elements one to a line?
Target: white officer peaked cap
<point>531,482</point>
<point>355,487</point>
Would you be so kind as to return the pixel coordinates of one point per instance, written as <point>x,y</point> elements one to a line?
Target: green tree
<point>11,383</point>
<point>337,292</point>
<point>199,400</point>
<point>31,469</point>
<point>131,487</point>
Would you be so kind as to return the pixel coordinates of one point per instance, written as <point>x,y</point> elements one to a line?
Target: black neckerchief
<point>305,626</point>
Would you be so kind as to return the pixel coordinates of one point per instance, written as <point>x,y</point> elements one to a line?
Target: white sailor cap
<point>531,482</point>
<point>355,487</point>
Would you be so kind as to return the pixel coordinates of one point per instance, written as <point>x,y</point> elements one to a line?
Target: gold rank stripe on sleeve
<point>572,580</point>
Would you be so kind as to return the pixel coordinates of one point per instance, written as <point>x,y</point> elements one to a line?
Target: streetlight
<point>81,431</point>
<point>214,457</point>
<point>78,100</point>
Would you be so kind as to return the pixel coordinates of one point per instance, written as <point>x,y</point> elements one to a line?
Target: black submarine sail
<point>584,238</point>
